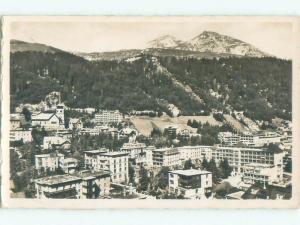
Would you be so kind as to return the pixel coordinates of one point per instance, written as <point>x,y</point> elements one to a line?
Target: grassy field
<point>145,124</point>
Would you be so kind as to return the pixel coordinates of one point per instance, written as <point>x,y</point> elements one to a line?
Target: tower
<point>60,113</point>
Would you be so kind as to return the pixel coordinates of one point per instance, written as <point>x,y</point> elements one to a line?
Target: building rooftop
<point>70,160</point>
<point>190,172</point>
<point>43,116</point>
<point>58,179</point>
<point>74,120</point>
<point>98,151</point>
<point>236,195</point>
<point>133,145</point>
<point>115,154</point>
<point>87,174</point>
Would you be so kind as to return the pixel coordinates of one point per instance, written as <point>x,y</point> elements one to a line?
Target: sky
<point>93,36</point>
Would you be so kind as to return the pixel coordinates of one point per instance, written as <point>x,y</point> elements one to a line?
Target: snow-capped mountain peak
<point>209,41</point>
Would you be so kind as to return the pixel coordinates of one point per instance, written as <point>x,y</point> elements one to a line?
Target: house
<point>48,162</point>
<point>95,184</point>
<point>69,165</point>
<point>50,121</point>
<point>56,142</point>
<point>127,133</point>
<point>15,121</point>
<point>191,184</point>
<point>81,185</point>
<point>90,157</point>
<point>75,123</point>
<point>59,187</point>
<point>20,134</point>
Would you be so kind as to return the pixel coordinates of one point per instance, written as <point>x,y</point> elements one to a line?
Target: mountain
<point>205,45</point>
<point>21,46</point>
<point>153,79</point>
<point>217,43</point>
<point>166,41</point>
<point>116,55</point>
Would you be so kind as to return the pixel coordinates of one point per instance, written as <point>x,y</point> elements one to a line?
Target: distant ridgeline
<point>194,82</point>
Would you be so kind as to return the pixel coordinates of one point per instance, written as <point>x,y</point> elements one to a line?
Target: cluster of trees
<point>162,139</point>
<point>219,117</point>
<point>244,83</point>
<point>221,171</point>
<point>209,133</point>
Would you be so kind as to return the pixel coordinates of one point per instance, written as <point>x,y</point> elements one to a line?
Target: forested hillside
<point>259,86</point>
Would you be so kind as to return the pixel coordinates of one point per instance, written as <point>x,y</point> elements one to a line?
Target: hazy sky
<point>273,38</point>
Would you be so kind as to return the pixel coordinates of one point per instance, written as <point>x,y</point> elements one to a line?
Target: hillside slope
<point>150,82</point>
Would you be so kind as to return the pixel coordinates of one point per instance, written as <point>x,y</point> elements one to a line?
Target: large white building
<point>82,185</point>
<point>48,162</point>
<point>195,152</point>
<point>166,157</point>
<point>249,139</point>
<point>191,184</point>
<point>238,156</point>
<point>115,162</point>
<point>262,173</point>
<point>108,116</point>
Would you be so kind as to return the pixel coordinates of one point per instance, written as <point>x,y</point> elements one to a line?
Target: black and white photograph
<point>175,110</point>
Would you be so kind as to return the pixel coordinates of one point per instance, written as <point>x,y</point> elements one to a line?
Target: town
<point>88,153</point>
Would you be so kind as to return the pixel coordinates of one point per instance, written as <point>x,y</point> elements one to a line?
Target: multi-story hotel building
<point>166,157</point>
<point>238,157</point>
<point>195,152</point>
<point>249,139</point>
<point>59,186</point>
<point>115,162</point>
<point>262,173</point>
<point>107,116</point>
<point>84,184</point>
<point>51,162</point>
<point>191,184</point>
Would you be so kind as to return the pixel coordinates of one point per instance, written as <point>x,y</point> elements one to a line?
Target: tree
<point>189,165</point>
<point>189,123</point>
<point>131,173</point>
<point>162,178</point>
<point>27,114</point>
<point>156,132</point>
<point>212,167</point>
<point>15,165</point>
<point>204,164</point>
<point>288,167</point>
<point>144,182</point>
<point>225,169</point>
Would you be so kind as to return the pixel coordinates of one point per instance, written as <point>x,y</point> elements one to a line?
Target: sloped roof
<point>43,116</point>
